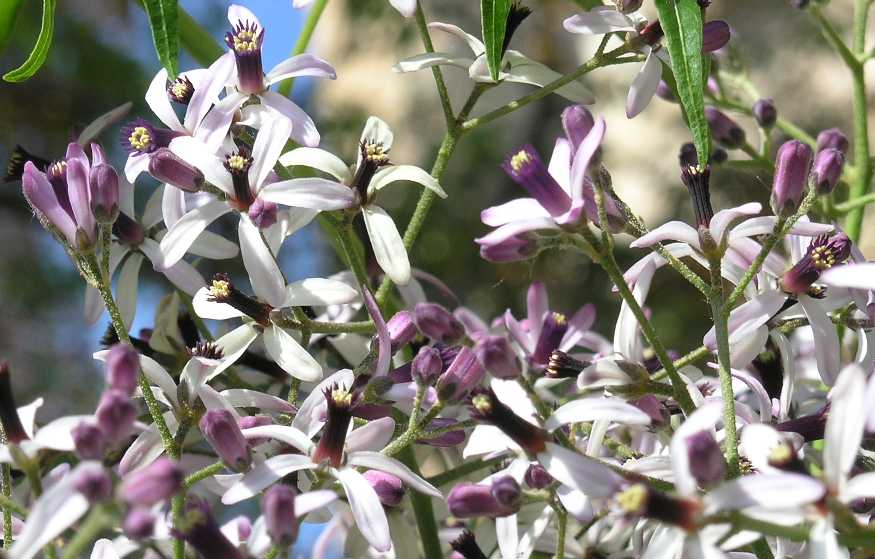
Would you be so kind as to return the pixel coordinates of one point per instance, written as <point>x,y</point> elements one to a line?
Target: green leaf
<point>198,41</point>
<point>40,50</point>
<point>682,24</point>
<point>493,15</point>
<point>163,18</point>
<point>8,14</point>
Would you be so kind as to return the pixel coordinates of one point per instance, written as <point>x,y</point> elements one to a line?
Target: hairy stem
<point>862,159</point>
<point>423,511</point>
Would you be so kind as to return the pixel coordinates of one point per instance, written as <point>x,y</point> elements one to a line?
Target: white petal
<point>724,219</point>
<point>409,173</point>
<point>858,276</point>
<point>146,447</point>
<point>430,59</point>
<point>318,292</point>
<point>182,274</point>
<point>527,71</point>
<point>579,472</point>
<point>104,549</point>
<point>180,237</point>
<point>101,123</point>
<point>247,398</point>
<point>644,85</point>
<point>264,474</point>
<point>57,434</point>
<point>303,128</point>
<point>377,461</point>
<point>319,159</point>
<point>135,165</point>
<point>594,409</point>
<point>172,204</point>
<point>475,44</point>
<point>159,102</point>
<point>204,307</point>
<point>405,7</point>
<point>198,154</point>
<point>673,230</point>
<point>241,14</point>
<point>305,419</point>
<point>269,143</point>
<point>282,433</point>
<point>388,246</point>
<point>749,316</point>
<point>27,415</point>
<point>508,535</point>
<point>372,436</point>
<point>306,503</point>
<point>299,66</point>
<point>827,348</point>
<point>311,193</point>
<point>93,307</point>
<point>206,92</point>
<point>213,246</point>
<point>289,355</point>
<point>55,511</point>
<point>366,508</point>
<point>777,491</point>
<point>823,543</point>
<point>521,208</point>
<point>265,276</point>
<point>599,21</point>
<point>861,486</point>
<point>627,340</point>
<point>844,425</point>
<point>233,345</point>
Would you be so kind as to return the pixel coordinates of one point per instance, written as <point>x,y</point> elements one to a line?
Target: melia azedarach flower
<point>515,66</point>
<point>356,190</point>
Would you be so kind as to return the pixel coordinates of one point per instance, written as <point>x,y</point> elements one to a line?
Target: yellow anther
<point>237,162</point>
<point>781,454</point>
<point>140,138</point>
<point>341,396</point>
<point>220,289</point>
<point>521,158</point>
<point>559,318</point>
<point>482,403</point>
<point>634,499</point>
<point>375,152</point>
<point>244,41</point>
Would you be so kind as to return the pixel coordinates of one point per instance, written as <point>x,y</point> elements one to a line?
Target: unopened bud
<point>724,130</point>
<point>827,170</point>
<point>139,524</point>
<point>103,183</point>
<point>402,330</point>
<point>157,482</point>
<point>705,459</point>
<point>278,507</point>
<point>220,429</point>
<point>470,500</point>
<point>115,415</point>
<point>463,374</point>
<point>715,35</point>
<point>537,477</point>
<point>167,167</point>
<point>832,138</point>
<point>89,440</point>
<point>388,488</point>
<point>497,356</point>
<point>791,175</point>
<point>93,482</point>
<point>427,365</point>
<point>765,113</point>
<point>122,368</point>
<point>437,323</point>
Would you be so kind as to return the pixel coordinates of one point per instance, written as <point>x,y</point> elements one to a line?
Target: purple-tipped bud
<point>827,170</point>
<point>198,527</point>
<point>389,488</point>
<point>705,458</point>
<point>437,323</point>
<point>552,331</point>
<point>278,507</point>
<point>463,374</point>
<point>448,439</point>
<point>249,421</point>
<point>402,329</point>
<point>153,484</point>
<point>832,138</point>
<point>12,426</point>
<point>89,440</point>
<point>823,253</point>
<point>765,113</point>
<point>688,156</point>
<point>167,167</point>
<point>471,500</point>
<point>115,415</point>
<point>122,368</point>
<point>651,405</point>
<point>715,35</point>
<point>497,356</point>
<point>537,477</point>
<point>103,182</point>
<point>527,169</point>
<point>43,199</point>
<point>664,92</point>
<point>93,482</point>
<point>244,528</point>
<point>139,524</point>
<point>506,491</point>
<point>263,214</point>
<point>427,365</point>
<point>507,249</point>
<point>724,130</point>
<point>791,175</point>
<point>220,429</point>
<point>577,122</point>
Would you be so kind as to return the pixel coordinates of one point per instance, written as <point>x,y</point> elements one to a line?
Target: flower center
<point>238,164</point>
<point>180,90</point>
<point>374,155</point>
<point>223,291</point>
<point>140,138</point>
<point>633,500</point>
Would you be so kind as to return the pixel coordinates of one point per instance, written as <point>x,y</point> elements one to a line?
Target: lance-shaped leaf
<point>163,18</point>
<point>682,24</point>
<point>40,50</point>
<point>493,15</point>
<point>8,15</point>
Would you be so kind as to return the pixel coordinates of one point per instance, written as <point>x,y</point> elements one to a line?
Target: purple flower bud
<point>791,174</point>
<point>552,331</point>
<point>724,130</point>
<point>12,426</point>
<point>199,528</point>
<point>249,421</point>
<point>139,524</point>
<point>497,356</point>
<point>278,507</point>
<point>527,169</point>
<point>263,214</point>
<point>463,374</point>
<point>765,113</point>
<point>93,482</point>
<point>506,491</point>
<point>122,368</point>
<point>103,182</point>
<point>705,458</point>
<point>832,138</point>
<point>389,488</point>
<point>715,35</point>
<point>448,439</point>
<point>244,528</point>
<point>507,249</point>
<point>427,365</point>
<point>44,202</point>
<point>128,231</point>
<point>577,122</point>
<point>157,482</point>
<point>167,167</point>
<point>823,253</point>
<point>79,191</point>
<point>115,415</point>
<point>89,440</point>
<point>471,500</point>
<point>448,352</point>
<point>537,477</point>
<point>664,92</point>
<point>827,170</point>
<point>402,330</point>
<point>651,405</point>
<point>220,429</point>
<point>437,323</point>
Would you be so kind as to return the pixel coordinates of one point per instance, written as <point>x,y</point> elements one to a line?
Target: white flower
<point>515,66</point>
<point>357,186</point>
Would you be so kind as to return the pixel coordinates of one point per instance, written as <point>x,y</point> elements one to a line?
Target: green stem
<point>202,474</point>
<point>443,93</point>
<point>96,522</point>
<point>423,511</point>
<point>855,203</point>
<point>466,468</point>
<point>560,532</point>
<point>862,160</point>
<point>412,433</point>
<point>314,326</point>
<point>721,327</point>
<point>313,17</point>
<point>8,505</point>
<point>346,234</point>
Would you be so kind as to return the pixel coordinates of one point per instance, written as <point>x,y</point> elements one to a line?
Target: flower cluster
<point>522,435</point>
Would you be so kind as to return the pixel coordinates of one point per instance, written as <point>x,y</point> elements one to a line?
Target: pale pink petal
<point>269,143</point>
<point>673,230</point>
<point>524,70</point>
<point>372,436</point>
<point>303,128</point>
<point>206,96</point>
<point>305,503</point>
<point>265,276</point>
<point>724,219</point>
<point>389,249</point>
<point>429,60</point>
<point>537,306</point>
<point>377,461</point>
<point>289,355</point>
<point>599,21</point>
<point>627,340</point>
<point>583,156</point>
<point>127,286</point>
<point>213,129</point>
<point>644,85</point>
<point>307,420</point>
<point>366,508</point>
<point>409,173</point>
<point>319,159</point>
<point>578,326</point>
<point>776,491</point>
<point>827,348</point>
<point>586,410</point>
<point>265,474</point>
<point>580,472</point>
<point>299,66</point>
<point>313,193</point>
<point>180,237</point>
<point>844,425</point>
<point>856,276</point>
<point>474,43</point>
<point>750,315</point>
<point>159,102</point>
<point>516,228</point>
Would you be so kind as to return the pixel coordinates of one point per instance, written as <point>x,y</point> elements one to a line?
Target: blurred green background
<point>102,56</point>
